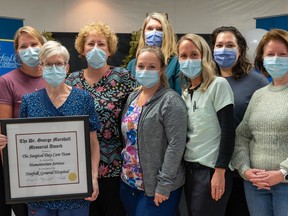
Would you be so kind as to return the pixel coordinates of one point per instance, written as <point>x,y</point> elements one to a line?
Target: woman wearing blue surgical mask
<point>27,78</point>
<point>59,99</point>
<point>154,125</point>
<point>110,87</point>
<point>230,48</point>
<point>13,85</point>
<point>261,148</point>
<point>157,31</point>
<point>210,136</point>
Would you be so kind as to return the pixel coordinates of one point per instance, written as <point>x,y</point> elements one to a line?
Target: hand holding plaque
<point>46,159</point>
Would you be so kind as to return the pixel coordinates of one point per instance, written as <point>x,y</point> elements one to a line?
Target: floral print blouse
<point>131,169</point>
<point>110,94</point>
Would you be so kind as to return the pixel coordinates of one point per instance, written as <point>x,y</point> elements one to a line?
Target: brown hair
<point>275,34</point>
<point>243,66</point>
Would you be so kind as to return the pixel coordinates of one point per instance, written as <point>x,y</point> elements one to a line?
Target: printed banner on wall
<point>8,58</point>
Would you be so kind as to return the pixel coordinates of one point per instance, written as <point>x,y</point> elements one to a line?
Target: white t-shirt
<point>204,132</point>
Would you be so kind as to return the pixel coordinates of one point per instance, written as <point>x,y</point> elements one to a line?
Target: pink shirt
<point>14,85</point>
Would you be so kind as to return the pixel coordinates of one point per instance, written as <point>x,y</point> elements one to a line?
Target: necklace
<point>36,83</point>
<point>33,80</point>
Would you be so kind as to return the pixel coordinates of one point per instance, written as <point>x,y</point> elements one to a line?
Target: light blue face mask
<point>147,78</point>
<point>96,57</point>
<point>191,68</point>
<point>225,57</point>
<point>30,56</point>
<point>154,38</point>
<point>54,76</point>
<point>276,66</point>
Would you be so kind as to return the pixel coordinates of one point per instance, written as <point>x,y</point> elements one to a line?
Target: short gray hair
<point>51,48</point>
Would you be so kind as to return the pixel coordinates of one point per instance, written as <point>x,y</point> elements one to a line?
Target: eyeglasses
<point>58,65</point>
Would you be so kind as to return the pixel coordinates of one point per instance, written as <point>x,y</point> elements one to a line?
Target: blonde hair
<point>29,30</point>
<point>98,28</point>
<point>169,39</point>
<point>159,54</point>
<point>208,65</point>
<point>52,48</point>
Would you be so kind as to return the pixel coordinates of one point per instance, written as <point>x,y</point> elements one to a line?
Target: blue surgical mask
<point>277,67</point>
<point>191,68</point>
<point>30,56</point>
<point>96,58</point>
<point>54,76</point>
<point>225,57</point>
<point>154,38</point>
<point>147,78</point>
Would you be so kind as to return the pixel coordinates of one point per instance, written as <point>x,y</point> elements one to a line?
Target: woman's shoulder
<point>131,66</point>
<point>124,76</point>
<point>173,103</point>
<point>75,73</point>
<point>33,95</point>
<point>255,75</point>
<point>259,93</point>
<point>81,92</point>
<point>171,96</point>
<point>73,77</point>
<point>171,92</point>
<point>131,62</point>
<point>120,70</point>
<point>262,90</point>
<point>219,81</point>
<point>219,86</point>
<point>173,62</point>
<point>82,97</point>
<point>12,76</point>
<point>255,79</point>
<point>173,58</point>
<point>133,94</point>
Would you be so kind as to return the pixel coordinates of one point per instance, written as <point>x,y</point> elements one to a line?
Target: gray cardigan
<point>162,129</point>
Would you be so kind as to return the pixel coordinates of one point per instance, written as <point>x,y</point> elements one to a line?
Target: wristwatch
<point>286,177</point>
